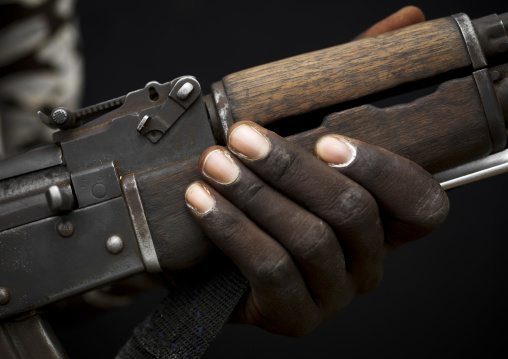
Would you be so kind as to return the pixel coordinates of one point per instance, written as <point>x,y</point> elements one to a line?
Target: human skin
<point>310,232</point>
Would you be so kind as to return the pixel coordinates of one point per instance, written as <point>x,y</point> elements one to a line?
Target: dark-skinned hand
<point>308,231</point>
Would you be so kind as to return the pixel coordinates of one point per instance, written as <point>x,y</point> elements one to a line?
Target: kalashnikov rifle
<point>105,201</point>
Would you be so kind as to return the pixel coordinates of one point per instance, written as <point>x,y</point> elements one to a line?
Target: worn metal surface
<point>29,337</point>
<point>87,114</point>
<point>97,116</point>
<point>492,34</point>
<point>39,266</point>
<point>32,207</point>
<point>34,182</point>
<point>60,199</point>
<point>471,39</point>
<point>184,92</point>
<point>44,257</point>
<point>215,123</point>
<point>114,244</point>
<point>499,75</point>
<point>223,108</point>
<point>496,108</point>
<point>492,109</point>
<point>138,218</point>
<point>117,139</point>
<point>96,184</point>
<point>34,160</point>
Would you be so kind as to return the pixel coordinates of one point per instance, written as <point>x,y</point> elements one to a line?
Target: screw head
<point>59,116</point>
<point>65,228</point>
<point>114,244</point>
<point>5,295</point>
<point>62,118</point>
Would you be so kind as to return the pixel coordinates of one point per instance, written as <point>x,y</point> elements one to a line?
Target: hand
<point>299,280</point>
<point>309,232</point>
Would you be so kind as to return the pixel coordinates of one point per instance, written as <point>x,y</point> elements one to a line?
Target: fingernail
<point>247,141</point>
<point>198,198</point>
<point>219,166</point>
<point>335,151</point>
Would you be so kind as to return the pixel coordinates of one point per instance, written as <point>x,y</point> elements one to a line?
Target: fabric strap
<point>185,323</point>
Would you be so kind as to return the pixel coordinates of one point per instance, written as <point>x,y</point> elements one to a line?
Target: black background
<point>441,296</point>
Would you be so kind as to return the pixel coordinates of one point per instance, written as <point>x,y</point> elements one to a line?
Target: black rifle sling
<point>185,323</point>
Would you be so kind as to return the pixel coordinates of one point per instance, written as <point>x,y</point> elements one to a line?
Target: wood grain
<point>178,241</point>
<point>438,131</point>
<point>323,78</point>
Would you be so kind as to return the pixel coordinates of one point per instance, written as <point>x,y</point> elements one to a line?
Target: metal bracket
<point>184,92</point>
<point>471,39</point>
<point>491,108</point>
<point>141,229</point>
<point>56,257</point>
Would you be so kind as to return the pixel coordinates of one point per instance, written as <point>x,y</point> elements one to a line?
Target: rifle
<point>73,187</point>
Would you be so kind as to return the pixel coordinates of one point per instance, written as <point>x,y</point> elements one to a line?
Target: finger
<point>416,204</point>
<point>278,291</point>
<point>310,240</point>
<point>347,207</point>
<point>406,16</point>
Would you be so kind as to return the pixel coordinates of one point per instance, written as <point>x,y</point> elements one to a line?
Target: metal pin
<point>54,198</point>
<point>185,91</point>
<point>142,122</point>
<point>59,199</point>
<point>114,244</point>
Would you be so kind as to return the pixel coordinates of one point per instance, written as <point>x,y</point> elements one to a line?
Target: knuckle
<point>282,165</point>
<point>227,228</point>
<point>353,206</point>
<point>249,194</point>
<point>274,268</point>
<point>315,240</point>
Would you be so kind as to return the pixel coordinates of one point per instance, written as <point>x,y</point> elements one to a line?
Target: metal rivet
<point>184,91</point>
<point>5,295</point>
<point>496,75</point>
<point>114,244</point>
<point>99,190</point>
<point>65,228</point>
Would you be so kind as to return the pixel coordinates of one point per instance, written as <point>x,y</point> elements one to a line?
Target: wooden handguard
<point>438,131</point>
<point>323,78</point>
